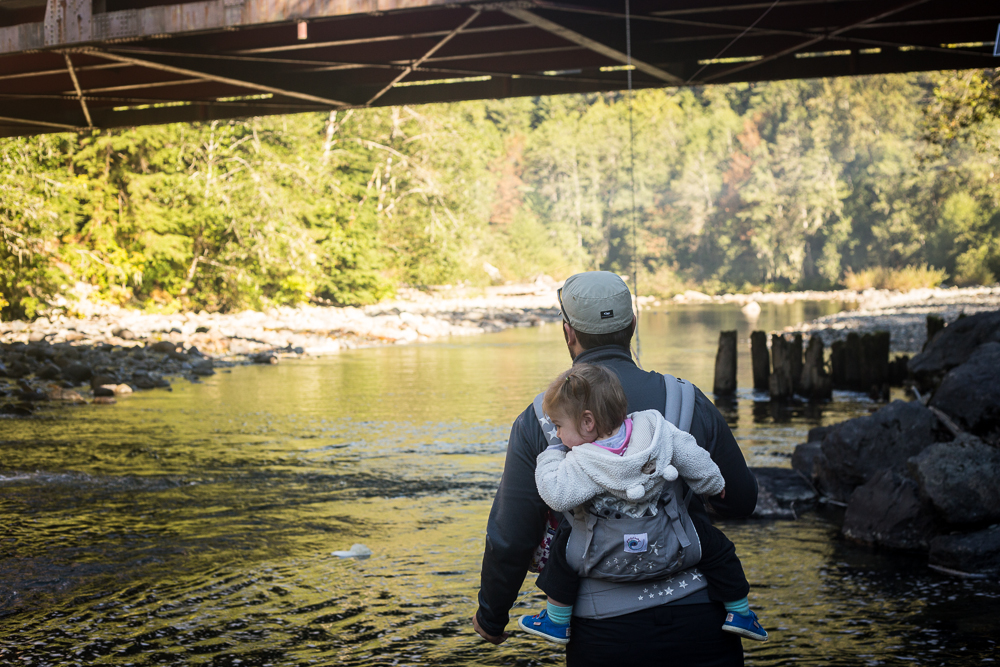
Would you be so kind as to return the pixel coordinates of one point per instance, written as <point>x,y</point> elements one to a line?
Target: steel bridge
<point>70,65</point>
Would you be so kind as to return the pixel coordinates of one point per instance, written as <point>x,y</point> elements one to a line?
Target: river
<point>195,526</point>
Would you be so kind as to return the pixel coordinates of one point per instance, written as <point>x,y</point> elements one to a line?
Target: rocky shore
<point>902,314</point>
<point>920,475</point>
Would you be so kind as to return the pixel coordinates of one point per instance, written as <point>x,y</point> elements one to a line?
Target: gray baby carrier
<point>618,547</point>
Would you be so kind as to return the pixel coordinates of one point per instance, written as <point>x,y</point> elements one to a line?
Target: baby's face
<point>569,431</point>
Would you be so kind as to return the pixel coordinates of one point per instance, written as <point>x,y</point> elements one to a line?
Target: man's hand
<point>482,633</point>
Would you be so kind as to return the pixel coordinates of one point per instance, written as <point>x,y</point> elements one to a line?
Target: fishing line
<point>637,349</point>
<point>637,352</point>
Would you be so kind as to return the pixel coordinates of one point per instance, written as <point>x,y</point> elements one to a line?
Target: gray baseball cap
<point>596,302</point>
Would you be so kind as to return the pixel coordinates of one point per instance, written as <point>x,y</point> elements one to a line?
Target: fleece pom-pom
<point>670,473</point>
<point>635,492</point>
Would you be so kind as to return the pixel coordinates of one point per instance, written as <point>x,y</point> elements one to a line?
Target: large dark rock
<point>804,457</point>
<point>888,511</point>
<point>860,448</point>
<point>781,492</point>
<point>77,373</point>
<point>970,393</point>
<point>961,479</point>
<point>955,345</point>
<point>977,552</point>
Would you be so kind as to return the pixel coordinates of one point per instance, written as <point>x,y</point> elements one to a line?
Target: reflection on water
<point>196,526</point>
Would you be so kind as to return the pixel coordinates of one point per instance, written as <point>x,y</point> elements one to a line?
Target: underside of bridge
<point>77,64</point>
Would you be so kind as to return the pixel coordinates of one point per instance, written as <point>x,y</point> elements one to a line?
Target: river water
<point>195,527</point>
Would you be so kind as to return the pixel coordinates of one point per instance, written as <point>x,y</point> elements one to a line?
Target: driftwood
<point>725,364</point>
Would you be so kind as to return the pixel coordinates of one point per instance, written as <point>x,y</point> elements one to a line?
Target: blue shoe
<point>745,626</point>
<point>541,626</point>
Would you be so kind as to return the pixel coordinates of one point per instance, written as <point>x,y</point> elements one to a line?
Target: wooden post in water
<point>935,324</point>
<point>852,362</point>
<point>838,364</point>
<point>780,382</point>
<point>725,364</point>
<point>874,363</point>
<point>815,383</point>
<point>761,359</point>
<point>794,348</point>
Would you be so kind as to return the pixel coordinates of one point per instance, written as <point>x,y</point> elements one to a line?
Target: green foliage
<point>778,185</point>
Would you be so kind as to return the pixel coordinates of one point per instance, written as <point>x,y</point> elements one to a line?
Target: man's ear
<point>569,334</point>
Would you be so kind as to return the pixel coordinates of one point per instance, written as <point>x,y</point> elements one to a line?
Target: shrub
<point>907,278</point>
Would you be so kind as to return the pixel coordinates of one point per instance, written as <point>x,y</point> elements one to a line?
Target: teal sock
<point>560,615</point>
<point>741,607</point>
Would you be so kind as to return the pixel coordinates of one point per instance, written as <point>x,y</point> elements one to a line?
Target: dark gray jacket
<point>517,519</point>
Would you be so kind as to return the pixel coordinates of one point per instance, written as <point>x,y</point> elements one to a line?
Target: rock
<point>15,410</point>
<point>977,552</point>
<point>817,433</point>
<point>49,372</point>
<point>961,479</point>
<point>356,551</point>
<point>202,329</point>
<point>164,346</point>
<point>970,393</point>
<point>804,457</point>
<point>955,345</point>
<point>858,449</point>
<point>104,391</point>
<point>203,368</point>
<point>119,389</point>
<point>68,395</point>
<point>124,334</point>
<point>101,379</point>
<point>104,400</point>
<point>888,511</point>
<point>265,358</point>
<point>143,381</point>
<point>18,370</point>
<point>780,492</point>
<point>32,395</point>
<point>77,373</point>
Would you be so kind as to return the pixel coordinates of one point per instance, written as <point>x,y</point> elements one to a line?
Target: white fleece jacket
<point>657,452</point>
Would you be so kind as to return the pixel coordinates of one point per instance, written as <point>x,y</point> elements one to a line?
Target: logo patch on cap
<point>607,314</point>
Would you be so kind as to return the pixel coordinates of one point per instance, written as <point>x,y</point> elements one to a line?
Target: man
<point>682,627</point>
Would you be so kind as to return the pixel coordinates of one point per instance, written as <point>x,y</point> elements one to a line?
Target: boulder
<point>104,400</point>
<point>49,372</point>
<point>961,479</point>
<point>888,511</point>
<point>104,391</point>
<point>77,373</point>
<point>780,492</point>
<point>203,368</point>
<point>804,457</point>
<point>970,393</point>
<point>164,346</point>
<point>858,449</point>
<point>954,346</point>
<point>124,334</point>
<point>977,552</point>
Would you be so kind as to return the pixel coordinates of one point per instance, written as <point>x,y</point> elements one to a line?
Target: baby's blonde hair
<point>588,387</point>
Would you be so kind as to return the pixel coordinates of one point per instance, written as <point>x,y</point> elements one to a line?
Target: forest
<point>886,181</point>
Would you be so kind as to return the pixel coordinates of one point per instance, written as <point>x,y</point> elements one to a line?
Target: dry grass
<point>908,278</point>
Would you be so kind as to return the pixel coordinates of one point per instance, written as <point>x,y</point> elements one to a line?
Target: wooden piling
<point>935,324</point>
<point>725,364</point>
<point>815,382</point>
<point>794,349</point>
<point>852,362</point>
<point>780,382</point>
<point>761,360</point>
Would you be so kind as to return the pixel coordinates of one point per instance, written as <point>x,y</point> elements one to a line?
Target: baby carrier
<point>622,548</point>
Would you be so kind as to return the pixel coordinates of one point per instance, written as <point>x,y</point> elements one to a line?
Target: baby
<point>622,462</point>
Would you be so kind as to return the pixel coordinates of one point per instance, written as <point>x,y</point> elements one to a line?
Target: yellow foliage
<point>907,278</point>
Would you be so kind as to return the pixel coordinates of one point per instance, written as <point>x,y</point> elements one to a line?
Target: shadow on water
<point>197,527</point>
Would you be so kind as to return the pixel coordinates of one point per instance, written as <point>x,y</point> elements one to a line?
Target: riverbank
<point>422,315</point>
<point>902,314</point>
